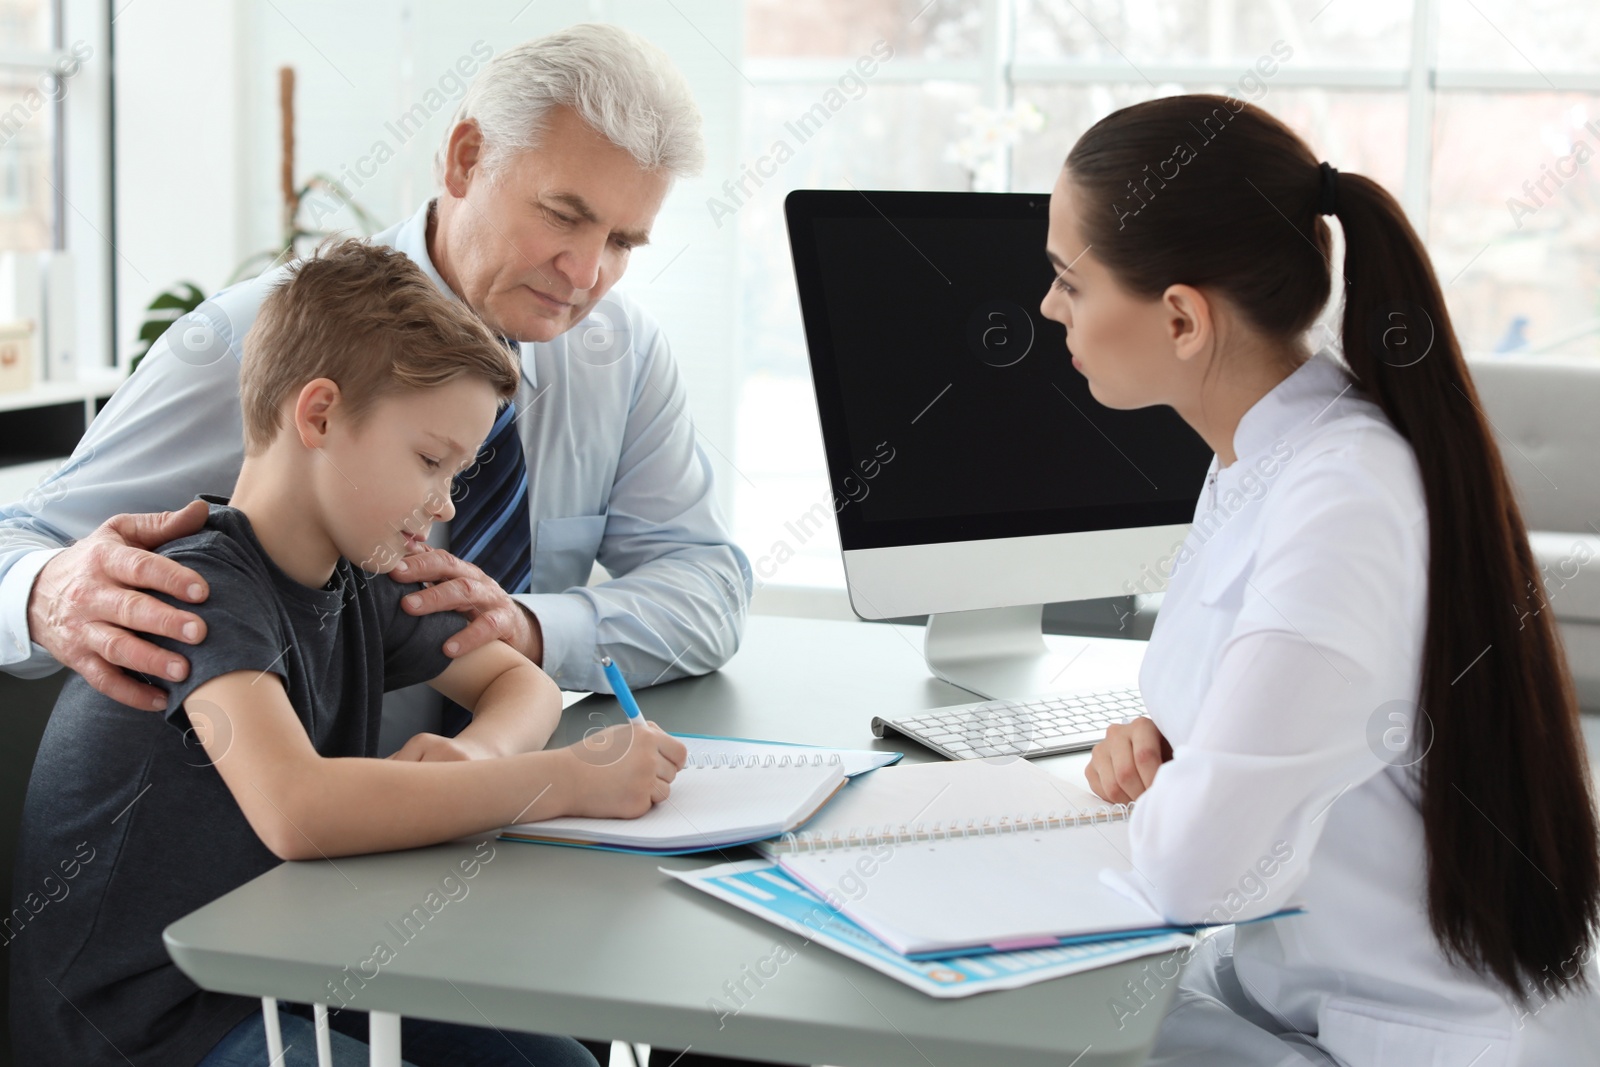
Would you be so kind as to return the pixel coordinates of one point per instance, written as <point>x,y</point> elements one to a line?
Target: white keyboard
<point>1042,726</point>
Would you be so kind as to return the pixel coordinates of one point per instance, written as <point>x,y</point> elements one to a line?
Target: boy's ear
<point>317,398</point>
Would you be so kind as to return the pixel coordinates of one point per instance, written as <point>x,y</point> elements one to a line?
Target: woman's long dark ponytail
<point>1212,191</point>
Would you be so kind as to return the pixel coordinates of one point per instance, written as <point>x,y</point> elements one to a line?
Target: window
<point>55,164</point>
<point>28,126</point>
<point>1481,116</point>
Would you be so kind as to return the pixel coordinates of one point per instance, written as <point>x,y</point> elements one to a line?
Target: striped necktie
<point>491,527</point>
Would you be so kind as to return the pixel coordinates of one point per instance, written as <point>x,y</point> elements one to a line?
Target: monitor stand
<point>997,653</point>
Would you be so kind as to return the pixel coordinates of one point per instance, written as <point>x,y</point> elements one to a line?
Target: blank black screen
<point>927,343</point>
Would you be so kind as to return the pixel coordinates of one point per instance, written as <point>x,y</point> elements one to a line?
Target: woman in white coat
<point>1355,700</point>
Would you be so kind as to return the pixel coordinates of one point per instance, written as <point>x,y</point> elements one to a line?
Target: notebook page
<point>1026,886</point>
<point>709,806</point>
<point>943,794</point>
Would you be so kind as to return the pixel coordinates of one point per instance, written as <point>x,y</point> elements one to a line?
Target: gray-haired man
<point>559,158</point>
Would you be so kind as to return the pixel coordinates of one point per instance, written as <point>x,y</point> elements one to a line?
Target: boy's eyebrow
<point>581,208</point>
<point>447,442</point>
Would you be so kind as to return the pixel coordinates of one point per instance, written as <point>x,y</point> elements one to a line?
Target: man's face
<point>533,247</point>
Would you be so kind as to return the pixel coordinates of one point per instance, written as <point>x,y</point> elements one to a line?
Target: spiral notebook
<point>941,860</point>
<point>941,797</point>
<point>718,799</point>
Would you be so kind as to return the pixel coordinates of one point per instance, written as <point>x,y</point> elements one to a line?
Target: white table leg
<point>269,1017</point>
<point>383,1037</point>
<point>324,1047</point>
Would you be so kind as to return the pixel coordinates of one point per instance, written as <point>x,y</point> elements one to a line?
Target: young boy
<point>363,389</point>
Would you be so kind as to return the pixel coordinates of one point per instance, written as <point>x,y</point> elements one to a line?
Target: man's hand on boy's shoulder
<point>453,584</point>
<point>88,604</point>
<point>436,748</point>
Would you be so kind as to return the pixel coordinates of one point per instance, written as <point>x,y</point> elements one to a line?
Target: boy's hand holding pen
<point>625,769</point>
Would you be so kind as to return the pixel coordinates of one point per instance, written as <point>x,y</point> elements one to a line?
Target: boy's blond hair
<point>367,317</point>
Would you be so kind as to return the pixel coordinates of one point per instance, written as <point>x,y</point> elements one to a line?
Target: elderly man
<point>553,170</point>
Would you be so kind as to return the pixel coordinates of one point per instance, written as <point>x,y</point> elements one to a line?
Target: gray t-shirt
<point>128,826</point>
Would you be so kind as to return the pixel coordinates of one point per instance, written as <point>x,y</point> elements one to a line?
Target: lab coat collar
<point>1302,397</point>
<point>411,237</point>
<point>1313,393</point>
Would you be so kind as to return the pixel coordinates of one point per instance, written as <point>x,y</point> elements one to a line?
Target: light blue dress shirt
<point>614,470</point>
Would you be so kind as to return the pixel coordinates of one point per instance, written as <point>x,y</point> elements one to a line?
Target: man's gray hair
<point>623,86</point>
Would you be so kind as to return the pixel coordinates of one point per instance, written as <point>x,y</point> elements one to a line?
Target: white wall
<point>198,143</point>
<point>177,148</point>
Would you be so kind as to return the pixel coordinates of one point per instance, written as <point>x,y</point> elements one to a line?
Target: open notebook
<point>935,798</point>
<point>940,860</point>
<point>719,799</point>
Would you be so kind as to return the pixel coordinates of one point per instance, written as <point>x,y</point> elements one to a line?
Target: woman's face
<point>1120,342</point>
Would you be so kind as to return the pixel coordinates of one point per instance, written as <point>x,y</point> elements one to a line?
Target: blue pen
<point>620,690</point>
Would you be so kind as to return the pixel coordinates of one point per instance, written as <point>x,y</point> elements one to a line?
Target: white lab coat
<point>1282,669</point>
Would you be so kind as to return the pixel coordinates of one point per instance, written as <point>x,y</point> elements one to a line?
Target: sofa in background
<point>1546,416</point>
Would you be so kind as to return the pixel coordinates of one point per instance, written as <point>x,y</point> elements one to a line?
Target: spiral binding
<point>747,760</point>
<point>992,826</point>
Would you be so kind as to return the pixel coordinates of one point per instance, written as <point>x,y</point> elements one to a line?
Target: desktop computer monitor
<point>974,477</point>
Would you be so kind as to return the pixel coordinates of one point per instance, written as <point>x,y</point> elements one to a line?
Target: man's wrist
<point>568,623</point>
<point>20,588</point>
<point>534,648</point>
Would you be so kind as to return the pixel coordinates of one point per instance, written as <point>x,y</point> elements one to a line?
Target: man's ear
<point>1188,320</point>
<point>462,155</point>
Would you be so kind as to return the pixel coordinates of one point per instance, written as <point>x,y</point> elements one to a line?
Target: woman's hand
<point>1124,765</point>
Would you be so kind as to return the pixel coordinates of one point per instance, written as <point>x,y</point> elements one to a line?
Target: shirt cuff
<point>19,654</point>
<point>568,624</point>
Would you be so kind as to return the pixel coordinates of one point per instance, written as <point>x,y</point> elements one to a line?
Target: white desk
<point>602,945</point>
